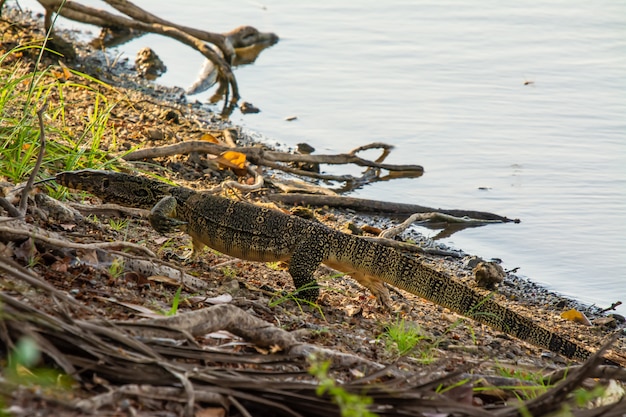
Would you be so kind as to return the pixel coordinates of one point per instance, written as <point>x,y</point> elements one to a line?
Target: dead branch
<point>19,230</point>
<point>280,160</point>
<point>260,156</point>
<point>144,21</point>
<point>384,207</point>
<point>238,322</point>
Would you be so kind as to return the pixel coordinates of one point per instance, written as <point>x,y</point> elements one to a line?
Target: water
<point>525,98</point>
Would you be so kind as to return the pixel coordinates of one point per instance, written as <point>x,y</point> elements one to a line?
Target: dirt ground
<point>346,319</point>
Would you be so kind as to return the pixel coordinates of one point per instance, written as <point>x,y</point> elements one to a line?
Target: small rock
<point>247,108</point>
<point>472,261</point>
<point>170,115</point>
<point>155,134</point>
<point>608,322</point>
<point>148,64</point>
<point>229,287</point>
<point>488,274</point>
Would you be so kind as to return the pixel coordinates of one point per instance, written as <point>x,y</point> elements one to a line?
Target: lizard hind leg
<point>376,287</point>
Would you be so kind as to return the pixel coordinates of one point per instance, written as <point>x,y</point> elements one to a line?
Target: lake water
<point>527,99</point>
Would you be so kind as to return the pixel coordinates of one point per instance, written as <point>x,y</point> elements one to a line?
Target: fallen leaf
<point>371,229</point>
<point>88,256</point>
<point>59,266</point>
<point>164,280</point>
<point>161,240</point>
<point>220,299</point>
<point>235,161</point>
<point>275,348</point>
<point>576,316</point>
<point>26,251</point>
<point>210,412</point>
<point>207,137</point>
<point>143,311</point>
<point>6,250</point>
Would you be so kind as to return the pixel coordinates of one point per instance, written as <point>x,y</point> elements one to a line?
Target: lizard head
<point>116,187</point>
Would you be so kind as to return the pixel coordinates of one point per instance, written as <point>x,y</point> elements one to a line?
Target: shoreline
<point>348,319</point>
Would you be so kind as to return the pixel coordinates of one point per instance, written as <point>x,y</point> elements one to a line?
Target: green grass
<point>175,303</point>
<point>349,404</point>
<point>116,269</point>
<point>403,338</point>
<point>119,224</point>
<point>74,141</point>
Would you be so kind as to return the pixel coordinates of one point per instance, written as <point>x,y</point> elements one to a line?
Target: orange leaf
<point>236,161</point>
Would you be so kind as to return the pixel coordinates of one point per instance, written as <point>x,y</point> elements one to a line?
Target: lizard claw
<point>164,224</point>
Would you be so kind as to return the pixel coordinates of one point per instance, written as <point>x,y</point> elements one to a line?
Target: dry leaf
<point>220,299</point>
<point>164,280</point>
<point>207,137</point>
<point>261,350</point>
<point>371,230</point>
<point>576,316</point>
<point>88,256</point>
<point>210,412</point>
<point>235,161</point>
<point>60,265</point>
<point>6,250</point>
<point>26,251</point>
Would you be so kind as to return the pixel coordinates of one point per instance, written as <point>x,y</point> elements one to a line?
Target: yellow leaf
<point>209,138</point>
<point>576,316</point>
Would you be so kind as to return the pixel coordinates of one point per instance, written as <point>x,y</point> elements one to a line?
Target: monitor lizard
<point>255,233</point>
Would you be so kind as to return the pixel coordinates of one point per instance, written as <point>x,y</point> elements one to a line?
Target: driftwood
<point>383,207</point>
<point>281,160</point>
<point>222,57</point>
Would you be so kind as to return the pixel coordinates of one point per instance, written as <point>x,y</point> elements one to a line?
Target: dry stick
<point>10,208</point>
<point>42,150</point>
<point>138,13</point>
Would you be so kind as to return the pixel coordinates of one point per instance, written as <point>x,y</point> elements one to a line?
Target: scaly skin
<point>254,233</point>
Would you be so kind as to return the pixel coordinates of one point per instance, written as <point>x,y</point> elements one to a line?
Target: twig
<point>10,208</point>
<point>42,150</point>
<point>611,307</point>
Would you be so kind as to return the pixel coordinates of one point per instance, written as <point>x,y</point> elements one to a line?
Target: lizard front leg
<point>303,263</point>
<point>162,216</point>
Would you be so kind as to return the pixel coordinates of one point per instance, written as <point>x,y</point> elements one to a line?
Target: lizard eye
<point>105,183</point>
